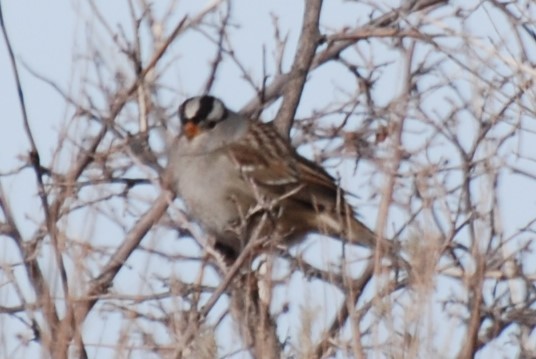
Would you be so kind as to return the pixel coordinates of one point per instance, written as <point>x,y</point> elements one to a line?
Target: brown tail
<point>355,232</point>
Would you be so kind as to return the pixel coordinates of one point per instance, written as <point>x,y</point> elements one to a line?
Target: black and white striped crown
<point>200,109</point>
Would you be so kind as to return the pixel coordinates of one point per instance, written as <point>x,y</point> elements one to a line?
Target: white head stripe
<point>191,108</point>
<point>216,112</point>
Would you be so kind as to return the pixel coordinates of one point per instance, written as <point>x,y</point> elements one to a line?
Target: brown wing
<point>266,159</point>
<point>263,170</point>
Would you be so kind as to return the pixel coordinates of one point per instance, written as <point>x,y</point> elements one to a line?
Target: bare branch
<point>310,38</point>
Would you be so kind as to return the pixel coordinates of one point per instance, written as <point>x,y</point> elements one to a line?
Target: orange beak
<point>190,130</point>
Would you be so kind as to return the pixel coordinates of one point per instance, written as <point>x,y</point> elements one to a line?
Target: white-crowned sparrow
<point>230,171</point>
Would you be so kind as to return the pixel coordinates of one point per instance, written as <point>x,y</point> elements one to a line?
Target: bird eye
<point>211,124</point>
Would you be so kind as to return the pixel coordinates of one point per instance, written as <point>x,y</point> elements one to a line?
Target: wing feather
<point>266,159</point>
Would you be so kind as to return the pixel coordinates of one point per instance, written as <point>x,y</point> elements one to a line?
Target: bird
<point>236,174</point>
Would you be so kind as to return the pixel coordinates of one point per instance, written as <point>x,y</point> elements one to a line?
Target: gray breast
<point>206,178</point>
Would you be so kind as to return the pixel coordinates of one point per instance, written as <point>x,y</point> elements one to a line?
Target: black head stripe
<point>202,108</point>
